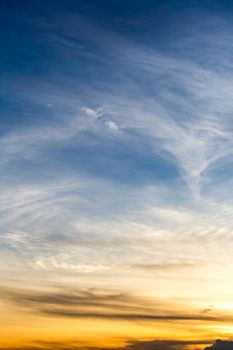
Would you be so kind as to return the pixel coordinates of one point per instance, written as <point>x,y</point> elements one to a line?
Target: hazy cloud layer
<point>131,345</point>
<point>105,305</point>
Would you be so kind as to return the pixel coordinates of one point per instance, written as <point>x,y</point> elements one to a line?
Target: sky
<point>116,165</point>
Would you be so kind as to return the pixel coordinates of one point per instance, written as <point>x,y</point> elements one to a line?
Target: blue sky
<point>116,143</point>
<point>132,95</point>
<point>117,61</point>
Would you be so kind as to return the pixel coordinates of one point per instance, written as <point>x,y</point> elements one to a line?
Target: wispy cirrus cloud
<point>174,105</point>
<point>69,225</point>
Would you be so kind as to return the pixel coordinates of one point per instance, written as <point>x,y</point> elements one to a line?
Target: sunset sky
<point>116,159</point>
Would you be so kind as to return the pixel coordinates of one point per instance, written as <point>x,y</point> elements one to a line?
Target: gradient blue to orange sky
<point>116,153</point>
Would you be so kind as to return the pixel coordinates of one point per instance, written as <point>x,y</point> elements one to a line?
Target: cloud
<point>150,266</point>
<point>71,303</point>
<point>71,122</point>
<point>82,224</point>
<point>197,141</point>
<point>130,345</point>
<point>90,112</point>
<point>162,345</point>
<point>176,106</point>
<point>111,125</point>
<point>221,345</point>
